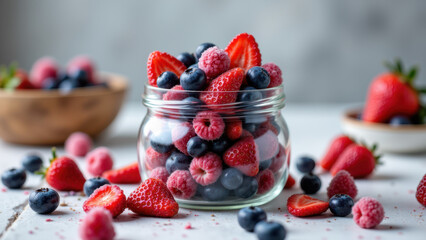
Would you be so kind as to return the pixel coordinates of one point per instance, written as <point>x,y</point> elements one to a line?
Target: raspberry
<point>78,144</point>
<point>268,145</point>
<point>42,70</point>
<point>290,182</point>
<point>421,191</point>
<point>208,125</point>
<point>181,184</point>
<point>368,212</point>
<point>265,180</point>
<point>97,224</point>
<point>159,173</point>
<point>110,197</point>
<point>279,160</point>
<point>275,74</point>
<point>176,93</point>
<point>181,134</point>
<point>99,161</point>
<point>234,129</point>
<point>214,62</point>
<point>82,63</point>
<point>155,159</point>
<point>244,156</point>
<point>206,169</point>
<point>152,198</point>
<point>342,183</point>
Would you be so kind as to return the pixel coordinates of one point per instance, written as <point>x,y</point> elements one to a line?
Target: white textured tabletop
<point>311,126</point>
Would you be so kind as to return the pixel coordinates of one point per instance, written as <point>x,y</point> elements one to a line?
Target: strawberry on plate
<point>301,205</point>
<point>337,146</point>
<point>244,156</point>
<point>244,52</point>
<point>126,174</point>
<point>110,197</point>
<point>159,62</point>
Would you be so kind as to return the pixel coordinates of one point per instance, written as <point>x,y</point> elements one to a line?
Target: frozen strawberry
<point>97,225</point>
<point>421,191</point>
<point>244,156</point>
<point>301,205</point>
<point>337,146</point>
<point>244,52</point>
<point>126,174</point>
<point>274,73</point>
<point>82,63</point>
<point>208,125</point>
<point>181,133</point>
<point>109,197</point>
<point>181,184</point>
<point>214,62</point>
<point>98,161</point>
<point>160,173</point>
<point>265,180</point>
<point>78,144</point>
<point>154,159</point>
<point>234,129</point>
<point>342,183</point>
<point>152,198</point>
<point>290,182</point>
<point>43,69</point>
<point>205,170</point>
<point>159,62</point>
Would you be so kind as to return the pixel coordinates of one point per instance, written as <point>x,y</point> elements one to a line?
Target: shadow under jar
<point>223,156</point>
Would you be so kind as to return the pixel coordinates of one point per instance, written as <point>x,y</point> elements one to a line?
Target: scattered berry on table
<point>97,224</point>
<point>178,161</point>
<point>400,120</point>
<point>248,188</point>
<point>234,129</point>
<point>310,183</point>
<point>44,200</point>
<point>368,212</point>
<point>43,69</point>
<point>248,217</point>
<point>249,94</point>
<point>127,174</point>
<point>358,160</point>
<point>160,173</point>
<point>82,63</point>
<point>32,163</point>
<point>231,178</point>
<point>244,156</point>
<point>186,58</point>
<point>78,144</point>
<point>214,62</point>
<point>341,205</point>
<point>206,170</point>
<point>155,159</point>
<point>110,197</point>
<point>98,161</point>
<point>201,48</point>
<point>337,146</point>
<point>305,164</point>
<point>342,183</point>
<point>220,145</point>
<point>159,62</point>
<point>301,205</point>
<point>421,191</point>
<point>193,79</point>
<point>290,182</point>
<point>181,133</point>
<point>270,231</point>
<point>275,74</point>
<point>215,192</point>
<point>167,80</point>
<point>197,147</point>
<point>161,141</point>
<point>92,184</point>
<point>181,184</point>
<point>265,181</point>
<point>244,52</point>
<point>258,77</point>
<point>208,125</point>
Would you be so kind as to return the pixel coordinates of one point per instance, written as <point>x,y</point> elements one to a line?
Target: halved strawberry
<point>110,197</point>
<point>301,205</point>
<point>159,62</point>
<point>244,52</point>
<point>126,174</point>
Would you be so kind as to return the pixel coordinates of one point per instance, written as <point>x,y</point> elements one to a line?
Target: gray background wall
<point>329,50</point>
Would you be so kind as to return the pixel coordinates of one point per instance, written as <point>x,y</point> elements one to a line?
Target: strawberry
<point>337,146</point>
<point>43,69</point>
<point>234,129</point>
<point>159,62</point>
<point>421,191</point>
<point>244,156</point>
<point>392,94</point>
<point>63,174</point>
<point>358,160</point>
<point>215,93</point>
<point>13,78</point>
<point>152,198</point>
<point>244,52</point>
<point>301,205</point>
<point>126,174</point>
<point>110,197</point>
<point>290,182</point>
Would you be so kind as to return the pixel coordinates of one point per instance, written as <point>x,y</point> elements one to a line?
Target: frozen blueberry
<point>258,77</point>
<point>190,107</point>
<point>94,183</point>
<point>14,178</point>
<point>51,83</point>
<point>251,127</point>
<point>193,79</point>
<point>305,164</point>
<point>231,178</point>
<point>248,188</point>
<point>197,147</point>
<point>249,96</point>
<point>79,78</point>
<point>167,80</point>
<point>203,47</point>
<point>44,200</point>
<point>161,141</point>
<point>220,145</point>
<point>215,192</point>
<point>270,231</point>
<point>177,161</point>
<point>341,205</point>
<point>255,119</point>
<point>310,183</point>
<point>265,164</point>
<point>399,120</point>
<point>248,217</point>
<point>32,163</point>
<point>186,58</point>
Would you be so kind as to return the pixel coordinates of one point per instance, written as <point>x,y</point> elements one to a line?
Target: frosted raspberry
<point>155,159</point>
<point>97,224</point>
<point>181,184</point>
<point>78,144</point>
<point>275,73</point>
<point>98,161</point>
<point>368,212</point>
<point>279,160</point>
<point>159,173</point>
<point>214,62</point>
<point>266,181</point>
<point>176,93</point>
<point>206,169</point>
<point>342,183</point>
<point>181,134</point>
<point>208,125</point>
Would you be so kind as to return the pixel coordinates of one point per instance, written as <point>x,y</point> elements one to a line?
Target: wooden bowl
<point>40,117</point>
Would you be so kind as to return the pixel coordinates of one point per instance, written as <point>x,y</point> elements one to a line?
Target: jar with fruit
<point>214,131</point>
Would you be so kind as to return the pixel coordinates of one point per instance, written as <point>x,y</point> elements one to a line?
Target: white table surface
<point>311,126</point>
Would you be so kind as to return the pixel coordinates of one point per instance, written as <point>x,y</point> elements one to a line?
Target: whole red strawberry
<point>159,62</point>
<point>244,156</point>
<point>392,94</point>
<point>337,146</point>
<point>126,174</point>
<point>358,160</point>
<point>421,191</point>
<point>152,198</point>
<point>13,78</point>
<point>244,52</point>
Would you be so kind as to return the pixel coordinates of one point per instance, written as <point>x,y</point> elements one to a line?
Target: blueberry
<point>251,127</point>
<point>167,80</point>
<point>399,120</point>
<point>14,178</point>
<point>248,188</point>
<point>310,183</point>
<point>195,65</point>
<point>256,119</point>
<point>341,205</point>
<point>94,183</point>
<point>203,47</point>
<point>231,178</point>
<point>177,161</point>
<point>161,141</point>
<point>32,163</point>
<point>248,217</point>
<point>258,77</point>
<point>50,84</point>
<point>186,58</point>
<point>79,78</point>
<point>305,164</point>
<point>215,192</point>
<point>265,164</point>
<point>197,147</point>
<point>270,231</point>
<point>220,145</point>
<point>249,96</point>
<point>190,107</point>
<point>67,86</point>
<point>44,200</point>
<point>193,79</point>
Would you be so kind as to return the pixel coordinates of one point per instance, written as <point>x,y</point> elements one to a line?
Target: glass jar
<point>224,156</point>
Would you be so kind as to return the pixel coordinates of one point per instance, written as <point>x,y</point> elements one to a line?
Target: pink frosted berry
<point>275,74</point>
<point>181,134</point>
<point>368,212</point>
<point>206,169</point>
<point>82,63</point>
<point>265,180</point>
<point>155,159</point>
<point>98,161</point>
<point>208,125</point>
<point>214,62</point>
<point>159,173</point>
<point>342,183</point>
<point>176,93</point>
<point>181,184</point>
<point>43,69</point>
<point>78,144</point>
<point>97,225</point>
